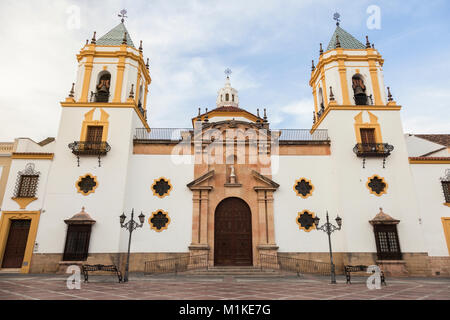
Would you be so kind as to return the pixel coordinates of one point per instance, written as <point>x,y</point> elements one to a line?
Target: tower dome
<point>227,96</point>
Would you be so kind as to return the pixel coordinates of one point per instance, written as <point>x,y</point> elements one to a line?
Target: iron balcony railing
<point>89,148</point>
<point>284,135</point>
<point>299,266</point>
<point>373,149</point>
<point>178,264</point>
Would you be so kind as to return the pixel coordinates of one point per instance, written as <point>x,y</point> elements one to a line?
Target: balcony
<point>89,148</point>
<point>381,150</point>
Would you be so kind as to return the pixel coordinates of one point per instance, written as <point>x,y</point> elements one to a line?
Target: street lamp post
<point>131,225</point>
<point>329,229</point>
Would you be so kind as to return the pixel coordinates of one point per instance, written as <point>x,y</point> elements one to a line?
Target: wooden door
<point>233,233</point>
<point>94,133</point>
<point>16,244</point>
<point>368,136</point>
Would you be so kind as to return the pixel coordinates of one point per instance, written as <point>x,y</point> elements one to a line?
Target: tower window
<point>102,94</point>
<point>359,90</point>
<point>232,97</point>
<point>446,190</point>
<point>94,133</point>
<point>227,97</point>
<point>28,186</point>
<point>368,136</point>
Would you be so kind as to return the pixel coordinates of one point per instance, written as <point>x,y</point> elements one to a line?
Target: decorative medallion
<point>87,184</point>
<point>161,187</point>
<point>377,185</point>
<point>303,187</point>
<point>159,220</point>
<point>305,220</point>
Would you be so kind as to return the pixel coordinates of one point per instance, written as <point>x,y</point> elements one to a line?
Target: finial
<point>93,41</point>
<point>72,91</point>
<point>131,96</point>
<point>124,41</point>
<point>337,17</point>
<point>199,112</point>
<point>228,72</point>
<point>265,115</point>
<point>123,15</point>
<point>314,117</point>
<point>313,67</point>
<point>206,115</point>
<point>389,95</point>
<point>373,45</point>
<point>367,42</point>
<point>87,42</point>
<point>338,44</point>
<point>257,112</point>
<point>82,208</point>
<point>331,94</point>
<point>140,47</point>
<point>147,65</point>
<point>321,50</point>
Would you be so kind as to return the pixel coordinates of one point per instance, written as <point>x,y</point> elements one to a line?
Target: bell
<point>359,91</point>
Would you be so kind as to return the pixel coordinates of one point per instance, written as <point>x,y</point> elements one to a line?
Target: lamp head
<point>316,221</point>
<point>141,218</point>
<point>122,218</point>
<point>339,221</point>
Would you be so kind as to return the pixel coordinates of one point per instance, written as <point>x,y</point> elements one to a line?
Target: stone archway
<point>233,233</point>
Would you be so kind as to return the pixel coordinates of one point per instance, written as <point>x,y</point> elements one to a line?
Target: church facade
<point>228,186</point>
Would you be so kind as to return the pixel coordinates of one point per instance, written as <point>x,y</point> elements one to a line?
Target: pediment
<point>199,183</point>
<point>268,184</point>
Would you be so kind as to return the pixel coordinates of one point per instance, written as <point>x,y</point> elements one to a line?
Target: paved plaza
<point>53,287</point>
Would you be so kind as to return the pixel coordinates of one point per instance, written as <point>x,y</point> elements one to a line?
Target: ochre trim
<point>298,193</point>
<point>32,155</point>
<point>88,65</point>
<point>373,69</point>
<point>93,189</point>
<point>5,223</point>
<point>429,160</point>
<point>107,105</point>
<point>373,124</point>
<point>344,86</point>
<point>446,226</point>
<point>351,107</point>
<point>373,192</point>
<point>300,226</point>
<point>155,213</point>
<point>24,202</point>
<point>103,122</point>
<point>119,77</point>
<point>168,191</point>
<point>446,204</point>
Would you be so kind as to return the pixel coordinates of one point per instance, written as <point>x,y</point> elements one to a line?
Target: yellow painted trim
<point>324,92</point>
<point>446,225</point>
<point>119,77</point>
<point>373,192</point>
<point>93,189</point>
<point>90,52</point>
<point>299,194</point>
<point>343,77</point>
<point>24,202</point>
<point>155,213</point>
<point>103,122</point>
<point>107,105</point>
<point>318,72</point>
<point>355,108</point>
<point>168,191</point>
<point>5,223</point>
<point>314,92</point>
<point>373,124</point>
<point>446,204</point>
<point>87,78</point>
<point>35,156</point>
<point>300,226</point>
<point>431,161</point>
<point>214,113</point>
<point>375,84</point>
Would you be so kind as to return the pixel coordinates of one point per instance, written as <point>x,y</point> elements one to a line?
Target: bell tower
<point>111,72</point>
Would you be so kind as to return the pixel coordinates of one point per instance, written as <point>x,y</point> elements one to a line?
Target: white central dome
<point>227,96</point>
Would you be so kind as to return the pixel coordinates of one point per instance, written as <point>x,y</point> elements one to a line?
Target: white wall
<point>430,196</point>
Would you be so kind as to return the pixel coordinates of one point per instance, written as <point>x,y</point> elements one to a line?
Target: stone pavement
<point>181,287</point>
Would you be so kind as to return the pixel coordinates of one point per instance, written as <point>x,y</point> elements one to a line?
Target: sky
<point>268,45</point>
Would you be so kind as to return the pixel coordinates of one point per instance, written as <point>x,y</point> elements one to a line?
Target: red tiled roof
<point>442,139</point>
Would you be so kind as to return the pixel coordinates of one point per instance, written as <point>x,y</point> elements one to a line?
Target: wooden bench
<point>349,269</point>
<point>100,267</point>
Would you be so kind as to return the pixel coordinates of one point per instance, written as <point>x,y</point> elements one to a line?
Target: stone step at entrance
<point>237,271</point>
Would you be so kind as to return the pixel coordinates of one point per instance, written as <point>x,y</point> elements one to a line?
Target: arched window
<point>359,89</point>
<point>140,97</point>
<point>103,84</point>
<point>321,105</point>
<point>232,97</point>
<point>227,97</point>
